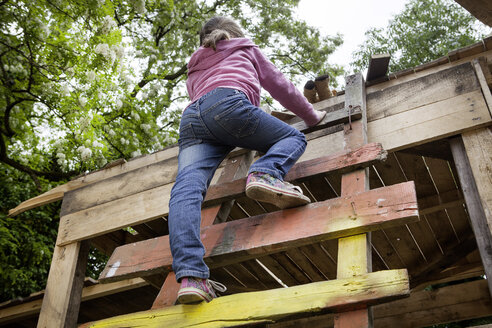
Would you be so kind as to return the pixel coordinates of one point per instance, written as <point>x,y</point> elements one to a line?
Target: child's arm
<point>284,91</point>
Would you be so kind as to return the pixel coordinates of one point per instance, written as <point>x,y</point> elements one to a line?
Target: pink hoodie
<point>239,64</point>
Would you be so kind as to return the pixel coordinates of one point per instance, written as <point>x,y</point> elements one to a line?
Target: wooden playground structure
<point>400,178</point>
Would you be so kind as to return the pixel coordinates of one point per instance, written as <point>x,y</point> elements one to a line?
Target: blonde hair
<point>219,28</point>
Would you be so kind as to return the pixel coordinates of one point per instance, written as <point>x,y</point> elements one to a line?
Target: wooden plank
<point>239,240</point>
<point>56,299</point>
<point>354,252</point>
<point>481,9</point>
<point>478,216</point>
<point>431,122</point>
<point>263,306</point>
<point>478,146</point>
<point>341,115</point>
<point>378,67</point>
<point>341,162</point>
<point>16,312</point>
<point>424,308</point>
<point>431,88</point>
<point>485,79</point>
<point>150,204</point>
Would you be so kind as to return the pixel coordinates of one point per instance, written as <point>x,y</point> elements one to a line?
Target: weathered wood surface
<point>478,215</point>
<point>15,312</point>
<point>430,122</point>
<point>485,79</point>
<point>420,92</point>
<point>240,240</point>
<point>263,307</point>
<point>355,252</point>
<point>378,67</point>
<point>153,203</point>
<point>482,9</point>
<point>55,307</point>
<point>422,309</point>
<point>361,157</point>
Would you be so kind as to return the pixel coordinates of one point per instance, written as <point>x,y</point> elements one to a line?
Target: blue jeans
<point>210,128</point>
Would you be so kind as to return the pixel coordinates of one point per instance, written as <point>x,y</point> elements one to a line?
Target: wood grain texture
<point>56,299</point>
<point>355,252</point>
<point>244,239</point>
<point>430,122</point>
<point>263,306</point>
<point>420,92</point>
<point>473,199</point>
<point>153,203</point>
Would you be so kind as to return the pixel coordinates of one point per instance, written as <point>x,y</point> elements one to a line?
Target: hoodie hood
<point>204,58</point>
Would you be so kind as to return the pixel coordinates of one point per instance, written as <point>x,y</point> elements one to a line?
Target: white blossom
<point>85,154</point>
<point>65,90</point>
<point>91,76</point>
<point>102,49</point>
<point>101,161</point>
<point>60,155</point>
<point>111,133</point>
<point>97,144</point>
<point>136,153</point>
<point>108,24</point>
<point>118,103</point>
<point>135,116</point>
<point>70,71</point>
<point>119,51</point>
<point>82,101</point>
<point>139,6</point>
<point>145,127</point>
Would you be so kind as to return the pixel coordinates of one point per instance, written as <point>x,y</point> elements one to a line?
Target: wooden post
<point>469,181</point>
<point>63,292</point>
<point>354,253</point>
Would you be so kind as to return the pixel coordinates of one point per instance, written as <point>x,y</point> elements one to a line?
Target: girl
<point>224,79</point>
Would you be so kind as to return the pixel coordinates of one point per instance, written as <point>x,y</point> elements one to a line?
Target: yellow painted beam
<point>272,305</point>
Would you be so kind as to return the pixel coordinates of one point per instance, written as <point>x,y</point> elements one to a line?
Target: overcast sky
<point>352,18</point>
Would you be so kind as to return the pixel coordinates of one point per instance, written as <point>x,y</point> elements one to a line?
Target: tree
<point>424,31</point>
<point>84,82</point>
<point>87,81</point>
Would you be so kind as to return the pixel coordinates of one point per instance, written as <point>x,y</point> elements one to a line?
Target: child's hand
<point>321,115</point>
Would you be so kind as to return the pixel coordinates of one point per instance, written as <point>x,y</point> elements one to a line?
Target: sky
<point>352,18</point>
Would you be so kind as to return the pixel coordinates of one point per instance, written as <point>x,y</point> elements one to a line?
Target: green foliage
<point>424,31</point>
<point>85,82</point>
<point>26,241</point>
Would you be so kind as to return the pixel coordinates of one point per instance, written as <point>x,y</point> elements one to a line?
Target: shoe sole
<point>192,295</point>
<point>278,197</point>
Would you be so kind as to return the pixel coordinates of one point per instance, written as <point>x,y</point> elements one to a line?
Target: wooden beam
<point>481,9</point>
<point>332,118</point>
<point>431,122</point>
<point>485,79</point>
<point>341,162</point>
<point>354,252</point>
<point>55,308</point>
<point>424,308</point>
<point>244,239</point>
<point>16,312</point>
<point>263,306</point>
<point>150,204</point>
<point>378,67</point>
<point>478,217</point>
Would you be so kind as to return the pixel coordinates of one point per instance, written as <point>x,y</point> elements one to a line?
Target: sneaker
<point>194,290</point>
<point>265,188</point>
